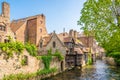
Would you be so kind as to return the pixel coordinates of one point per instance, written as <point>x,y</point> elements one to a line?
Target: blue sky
<point>59,13</point>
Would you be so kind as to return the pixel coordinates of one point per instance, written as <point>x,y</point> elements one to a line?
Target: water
<point>99,71</point>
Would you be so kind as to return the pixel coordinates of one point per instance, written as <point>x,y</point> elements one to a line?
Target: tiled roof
<point>46,39</point>
<point>67,39</point>
<point>86,49</point>
<point>78,50</point>
<point>15,25</point>
<point>63,35</point>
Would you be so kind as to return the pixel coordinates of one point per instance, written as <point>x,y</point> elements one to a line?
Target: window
<point>54,44</point>
<point>2,28</point>
<point>6,40</point>
<point>41,22</point>
<point>40,44</point>
<point>41,30</point>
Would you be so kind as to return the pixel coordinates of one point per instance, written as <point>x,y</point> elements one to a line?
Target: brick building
<point>29,29</point>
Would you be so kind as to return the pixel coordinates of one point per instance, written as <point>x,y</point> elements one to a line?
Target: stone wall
<point>110,61</point>
<point>13,65</point>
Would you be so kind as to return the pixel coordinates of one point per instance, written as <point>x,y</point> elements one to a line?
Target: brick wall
<point>32,30</point>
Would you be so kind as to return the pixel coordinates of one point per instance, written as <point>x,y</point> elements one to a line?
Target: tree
<point>101,18</point>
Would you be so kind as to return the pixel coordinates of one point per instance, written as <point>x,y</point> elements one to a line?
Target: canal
<point>98,71</point>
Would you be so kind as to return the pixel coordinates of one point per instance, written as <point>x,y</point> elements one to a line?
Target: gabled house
<point>53,42</point>
<point>70,44</point>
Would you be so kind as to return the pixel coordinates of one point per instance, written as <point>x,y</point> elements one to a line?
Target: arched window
<point>41,44</point>
<point>54,44</point>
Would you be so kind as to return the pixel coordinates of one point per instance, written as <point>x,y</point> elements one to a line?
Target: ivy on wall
<point>17,47</point>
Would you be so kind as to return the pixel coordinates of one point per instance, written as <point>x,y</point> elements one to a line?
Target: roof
<point>78,50</point>
<point>63,35</point>
<point>46,40</point>
<point>68,39</point>
<point>86,49</point>
<point>15,25</point>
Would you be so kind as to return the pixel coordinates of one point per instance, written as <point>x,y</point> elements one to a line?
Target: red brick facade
<point>29,29</point>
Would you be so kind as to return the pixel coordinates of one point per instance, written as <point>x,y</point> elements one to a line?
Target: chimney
<point>75,34</point>
<point>71,33</point>
<point>5,10</point>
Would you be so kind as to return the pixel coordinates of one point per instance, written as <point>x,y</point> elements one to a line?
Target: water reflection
<point>99,71</point>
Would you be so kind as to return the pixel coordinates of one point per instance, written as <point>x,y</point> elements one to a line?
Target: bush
<point>49,52</point>
<point>115,55</point>
<point>59,55</point>
<point>19,76</point>
<point>46,60</point>
<point>12,47</point>
<point>46,71</point>
<point>32,49</point>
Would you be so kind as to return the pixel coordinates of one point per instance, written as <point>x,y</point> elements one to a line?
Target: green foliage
<point>17,47</point>
<point>23,62</point>
<point>38,57</point>
<point>28,76</point>
<point>116,56</point>
<point>49,52</point>
<point>46,60</point>
<point>100,18</point>
<point>59,55</point>
<point>89,62</point>
<point>31,48</point>
<point>20,76</point>
<point>12,47</point>
<point>46,71</point>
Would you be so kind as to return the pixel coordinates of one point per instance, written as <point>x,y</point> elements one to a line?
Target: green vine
<point>17,47</point>
<point>23,62</point>
<point>46,60</point>
<point>12,47</point>
<point>31,48</point>
<point>59,55</point>
<point>46,71</point>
